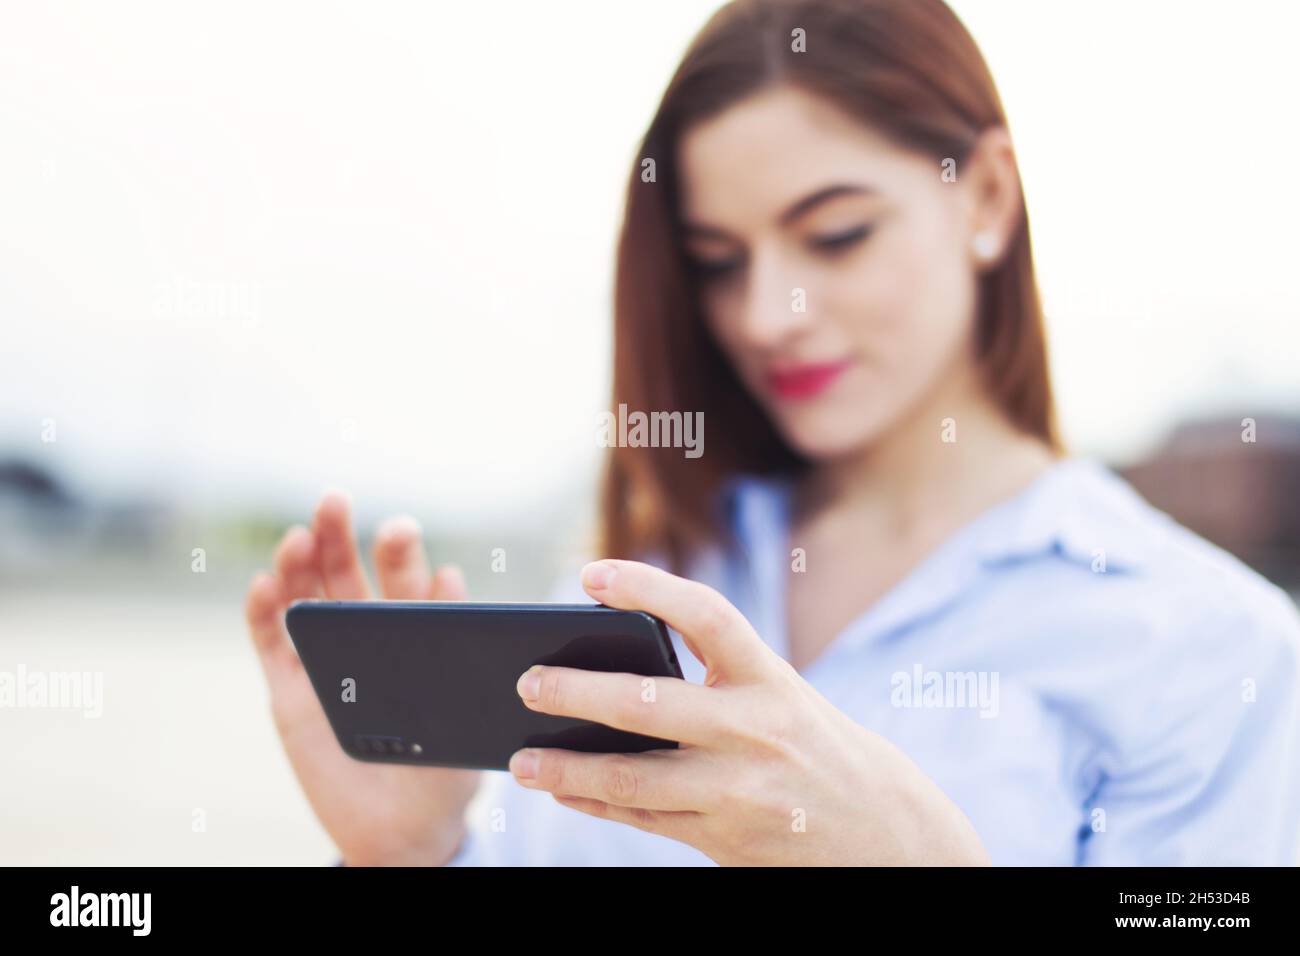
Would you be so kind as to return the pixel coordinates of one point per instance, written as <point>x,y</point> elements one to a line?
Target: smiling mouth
<point>805,381</point>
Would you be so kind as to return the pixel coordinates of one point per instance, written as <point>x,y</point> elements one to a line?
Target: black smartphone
<point>433,683</point>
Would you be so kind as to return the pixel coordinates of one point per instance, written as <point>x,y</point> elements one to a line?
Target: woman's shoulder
<point>1160,640</point>
<point>1121,558</point>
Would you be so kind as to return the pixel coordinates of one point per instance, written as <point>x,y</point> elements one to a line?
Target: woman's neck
<point>922,477</point>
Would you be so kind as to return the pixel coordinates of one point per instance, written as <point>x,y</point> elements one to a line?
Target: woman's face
<point>784,194</point>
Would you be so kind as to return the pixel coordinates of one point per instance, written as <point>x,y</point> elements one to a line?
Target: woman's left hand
<point>767,771</point>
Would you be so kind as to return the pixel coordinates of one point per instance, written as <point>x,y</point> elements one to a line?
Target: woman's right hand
<point>377,814</point>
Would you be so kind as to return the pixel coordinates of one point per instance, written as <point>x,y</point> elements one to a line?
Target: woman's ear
<point>994,200</point>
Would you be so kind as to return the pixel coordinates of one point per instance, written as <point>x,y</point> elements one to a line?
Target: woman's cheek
<point>725,323</point>
<point>894,363</point>
<point>917,310</point>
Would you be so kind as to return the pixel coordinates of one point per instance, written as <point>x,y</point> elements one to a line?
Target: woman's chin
<point>823,438</point>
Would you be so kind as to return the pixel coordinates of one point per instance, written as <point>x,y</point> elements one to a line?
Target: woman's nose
<point>776,304</point>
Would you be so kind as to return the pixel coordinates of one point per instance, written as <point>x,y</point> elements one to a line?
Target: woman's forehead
<point>731,188</point>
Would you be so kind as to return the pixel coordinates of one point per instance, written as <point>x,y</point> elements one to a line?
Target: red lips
<point>805,381</point>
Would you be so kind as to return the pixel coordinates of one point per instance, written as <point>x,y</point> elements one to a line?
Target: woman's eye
<point>713,268</point>
<point>841,240</point>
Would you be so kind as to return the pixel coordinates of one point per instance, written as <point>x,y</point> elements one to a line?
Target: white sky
<point>411,211</point>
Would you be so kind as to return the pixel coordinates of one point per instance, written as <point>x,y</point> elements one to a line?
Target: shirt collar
<point>1077,510</point>
<point>1080,510</point>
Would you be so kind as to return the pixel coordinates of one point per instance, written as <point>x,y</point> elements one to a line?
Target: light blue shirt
<point>1088,681</point>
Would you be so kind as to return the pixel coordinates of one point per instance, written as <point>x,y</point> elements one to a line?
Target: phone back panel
<point>434,683</point>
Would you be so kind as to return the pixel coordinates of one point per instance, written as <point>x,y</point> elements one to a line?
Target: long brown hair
<point>907,68</point>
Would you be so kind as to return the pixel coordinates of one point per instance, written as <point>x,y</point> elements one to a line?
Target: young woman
<point>913,631</point>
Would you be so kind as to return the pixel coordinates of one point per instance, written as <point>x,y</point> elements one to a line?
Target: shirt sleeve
<point>1211,777</point>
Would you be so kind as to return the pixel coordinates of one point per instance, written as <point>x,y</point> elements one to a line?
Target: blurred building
<point>1237,485</point>
<point>45,523</point>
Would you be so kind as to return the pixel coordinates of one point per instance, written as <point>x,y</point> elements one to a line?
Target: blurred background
<point>252,251</point>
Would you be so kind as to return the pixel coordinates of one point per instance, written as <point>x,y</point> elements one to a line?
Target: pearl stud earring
<point>985,246</point>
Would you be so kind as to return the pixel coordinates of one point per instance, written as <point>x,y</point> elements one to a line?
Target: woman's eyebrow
<point>812,200</point>
<point>794,211</point>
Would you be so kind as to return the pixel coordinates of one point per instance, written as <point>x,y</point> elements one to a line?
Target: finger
<point>400,564</point>
<point>649,781</point>
<point>448,585</point>
<point>264,611</point>
<point>336,550</point>
<point>682,826</point>
<point>712,628</point>
<point>296,566</point>
<point>665,707</point>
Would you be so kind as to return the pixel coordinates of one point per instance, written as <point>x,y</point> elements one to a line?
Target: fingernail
<point>530,683</point>
<point>298,537</point>
<point>524,764</point>
<point>598,575</point>
<point>337,495</point>
<point>402,527</point>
